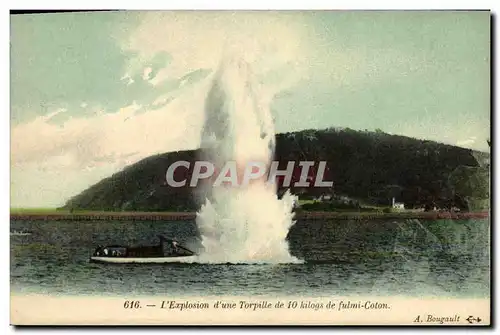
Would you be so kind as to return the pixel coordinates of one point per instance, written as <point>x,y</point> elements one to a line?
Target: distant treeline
<point>372,167</point>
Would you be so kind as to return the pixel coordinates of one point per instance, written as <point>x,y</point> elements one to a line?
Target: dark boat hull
<point>141,260</point>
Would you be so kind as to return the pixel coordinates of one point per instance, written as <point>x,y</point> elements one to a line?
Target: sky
<point>94,92</point>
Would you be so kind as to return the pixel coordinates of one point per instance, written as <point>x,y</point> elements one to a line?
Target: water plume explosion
<point>246,224</point>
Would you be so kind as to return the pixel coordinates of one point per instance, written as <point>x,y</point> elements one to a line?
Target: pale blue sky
<point>93,92</point>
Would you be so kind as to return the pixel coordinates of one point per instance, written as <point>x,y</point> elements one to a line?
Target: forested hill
<point>372,167</point>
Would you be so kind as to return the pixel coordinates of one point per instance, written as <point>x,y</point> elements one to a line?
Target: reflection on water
<point>407,257</point>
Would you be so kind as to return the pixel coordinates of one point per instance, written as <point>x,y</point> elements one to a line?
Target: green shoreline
<point>55,215</point>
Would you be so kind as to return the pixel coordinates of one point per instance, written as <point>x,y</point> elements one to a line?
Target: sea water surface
<point>443,258</point>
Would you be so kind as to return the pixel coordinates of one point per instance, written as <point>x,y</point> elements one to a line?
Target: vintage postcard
<point>250,168</point>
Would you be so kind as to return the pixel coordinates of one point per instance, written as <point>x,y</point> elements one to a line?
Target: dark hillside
<point>370,166</point>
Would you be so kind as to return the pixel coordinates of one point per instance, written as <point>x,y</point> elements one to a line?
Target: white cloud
<point>128,78</point>
<point>33,185</point>
<point>458,131</point>
<point>282,48</point>
<point>199,40</point>
<point>80,142</point>
<point>467,142</point>
<point>54,113</point>
<point>88,149</point>
<point>146,73</point>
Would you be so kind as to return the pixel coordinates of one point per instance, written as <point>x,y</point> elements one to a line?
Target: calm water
<point>406,257</point>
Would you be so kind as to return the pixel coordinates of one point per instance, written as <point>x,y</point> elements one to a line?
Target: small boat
<point>20,233</point>
<point>170,252</point>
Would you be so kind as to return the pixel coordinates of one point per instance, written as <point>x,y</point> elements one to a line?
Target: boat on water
<point>20,233</point>
<point>167,251</point>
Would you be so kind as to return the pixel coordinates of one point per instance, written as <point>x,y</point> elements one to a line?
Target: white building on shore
<point>397,205</point>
